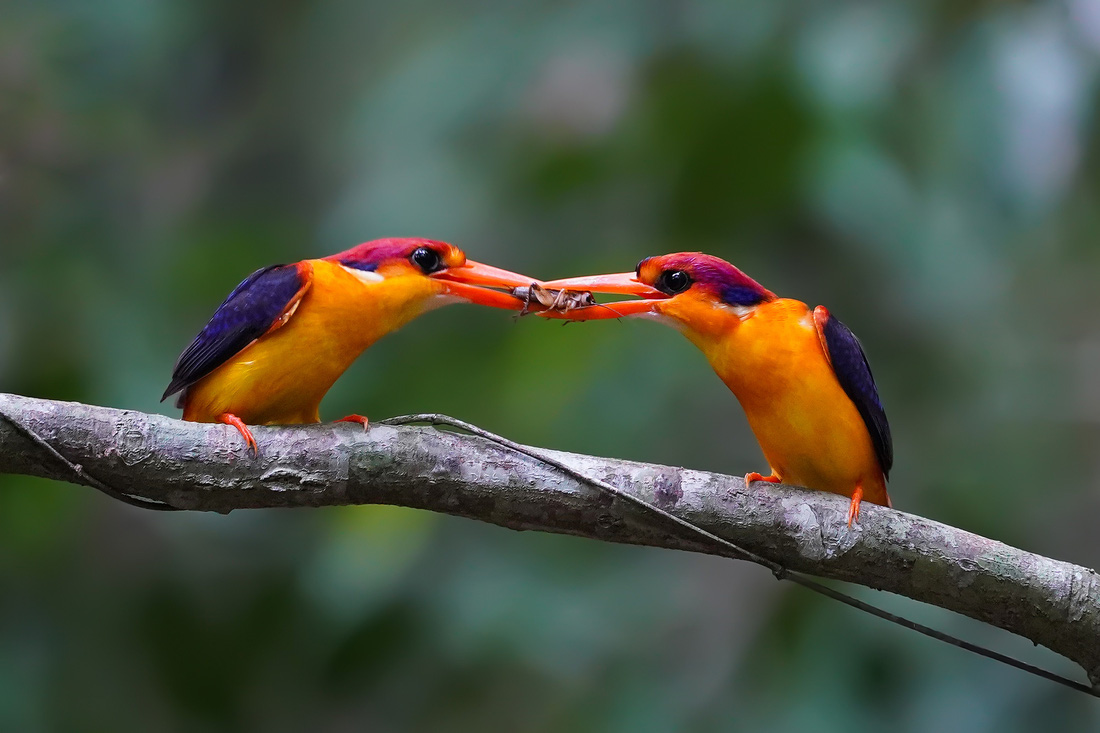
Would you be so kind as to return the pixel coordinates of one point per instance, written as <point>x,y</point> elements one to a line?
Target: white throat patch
<point>364,276</point>
<point>663,319</point>
<point>742,312</point>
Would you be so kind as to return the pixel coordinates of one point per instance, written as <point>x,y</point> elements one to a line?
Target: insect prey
<point>557,301</point>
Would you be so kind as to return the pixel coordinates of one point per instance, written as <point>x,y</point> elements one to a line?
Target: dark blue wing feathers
<point>250,310</point>
<point>854,374</point>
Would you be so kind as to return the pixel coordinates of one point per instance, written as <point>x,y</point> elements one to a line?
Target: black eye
<point>428,260</point>
<point>673,282</point>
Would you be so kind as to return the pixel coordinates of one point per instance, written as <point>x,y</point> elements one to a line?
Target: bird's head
<point>698,293</point>
<point>414,262</point>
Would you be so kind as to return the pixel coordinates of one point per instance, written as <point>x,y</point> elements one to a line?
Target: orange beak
<point>624,283</point>
<point>465,282</point>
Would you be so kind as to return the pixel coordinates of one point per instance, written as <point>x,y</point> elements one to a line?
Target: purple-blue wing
<point>854,374</point>
<point>262,302</point>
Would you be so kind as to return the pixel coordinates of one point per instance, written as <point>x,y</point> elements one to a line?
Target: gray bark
<point>207,468</point>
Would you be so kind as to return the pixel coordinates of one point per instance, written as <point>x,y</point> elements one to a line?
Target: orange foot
<point>227,418</point>
<point>853,508</point>
<point>754,476</point>
<point>356,418</point>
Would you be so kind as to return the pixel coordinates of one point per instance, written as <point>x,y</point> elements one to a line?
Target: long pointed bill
<point>463,282</point>
<point>624,283</point>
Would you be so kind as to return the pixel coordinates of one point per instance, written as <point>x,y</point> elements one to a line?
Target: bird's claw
<point>234,421</point>
<point>754,476</point>
<point>357,419</point>
<point>853,508</point>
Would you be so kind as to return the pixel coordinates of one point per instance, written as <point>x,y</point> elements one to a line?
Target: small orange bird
<point>800,374</point>
<point>284,335</point>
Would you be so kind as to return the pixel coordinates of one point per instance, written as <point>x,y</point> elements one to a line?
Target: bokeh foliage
<point>928,170</point>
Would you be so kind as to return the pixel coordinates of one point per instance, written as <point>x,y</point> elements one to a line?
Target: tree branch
<point>206,467</point>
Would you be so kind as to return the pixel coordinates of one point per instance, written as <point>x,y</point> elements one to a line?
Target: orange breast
<point>282,376</point>
<point>809,430</point>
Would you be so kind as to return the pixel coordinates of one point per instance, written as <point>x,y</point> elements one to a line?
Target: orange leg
<point>853,508</point>
<point>356,418</point>
<point>227,418</point>
<point>754,476</point>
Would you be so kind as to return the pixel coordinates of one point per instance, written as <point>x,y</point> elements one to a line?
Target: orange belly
<point>282,377</point>
<point>811,433</point>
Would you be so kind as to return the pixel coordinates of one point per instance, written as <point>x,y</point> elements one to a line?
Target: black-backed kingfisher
<point>799,373</point>
<point>284,335</point>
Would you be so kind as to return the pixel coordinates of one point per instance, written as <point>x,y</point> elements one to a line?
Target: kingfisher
<point>285,334</point>
<point>800,374</point>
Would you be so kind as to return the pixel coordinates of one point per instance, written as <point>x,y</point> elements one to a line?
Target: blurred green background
<point>927,170</point>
